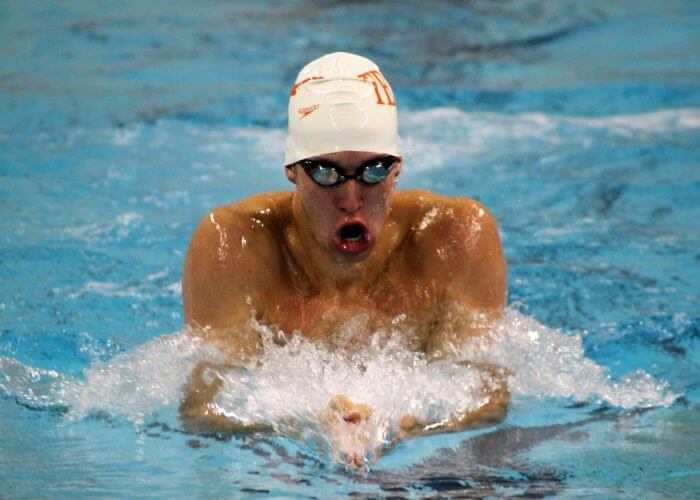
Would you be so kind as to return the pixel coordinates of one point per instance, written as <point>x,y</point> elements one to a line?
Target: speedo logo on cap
<point>304,112</point>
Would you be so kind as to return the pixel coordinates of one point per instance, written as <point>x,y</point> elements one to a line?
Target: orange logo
<point>304,112</point>
<point>378,81</point>
<point>296,86</point>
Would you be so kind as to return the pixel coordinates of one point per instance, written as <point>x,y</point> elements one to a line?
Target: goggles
<point>328,174</point>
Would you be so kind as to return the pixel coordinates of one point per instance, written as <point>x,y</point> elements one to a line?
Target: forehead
<point>348,157</point>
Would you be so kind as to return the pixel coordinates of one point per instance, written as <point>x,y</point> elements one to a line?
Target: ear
<point>397,168</point>
<point>291,172</point>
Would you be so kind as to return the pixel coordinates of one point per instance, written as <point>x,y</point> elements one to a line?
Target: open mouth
<point>351,238</point>
<point>352,232</point>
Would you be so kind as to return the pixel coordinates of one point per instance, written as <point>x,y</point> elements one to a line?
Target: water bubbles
<point>546,363</point>
<point>293,385</point>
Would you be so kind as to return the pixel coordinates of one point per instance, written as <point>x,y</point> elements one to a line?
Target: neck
<point>325,269</point>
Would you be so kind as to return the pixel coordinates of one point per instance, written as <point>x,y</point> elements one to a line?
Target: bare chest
<point>407,310</point>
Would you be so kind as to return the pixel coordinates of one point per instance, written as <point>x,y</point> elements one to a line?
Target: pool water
<point>576,123</point>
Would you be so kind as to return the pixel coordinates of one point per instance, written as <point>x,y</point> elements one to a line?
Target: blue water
<point>123,123</point>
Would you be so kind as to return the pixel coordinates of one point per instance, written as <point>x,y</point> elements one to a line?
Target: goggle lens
<point>327,174</point>
<point>324,175</point>
<point>374,174</point>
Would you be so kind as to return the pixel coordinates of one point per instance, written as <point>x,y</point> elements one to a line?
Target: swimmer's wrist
<point>410,425</point>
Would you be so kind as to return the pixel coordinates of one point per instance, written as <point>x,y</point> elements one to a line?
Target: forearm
<point>447,343</point>
<point>201,415</point>
<point>208,420</point>
<point>493,411</point>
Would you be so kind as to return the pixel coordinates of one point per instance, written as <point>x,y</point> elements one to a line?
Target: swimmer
<point>344,243</point>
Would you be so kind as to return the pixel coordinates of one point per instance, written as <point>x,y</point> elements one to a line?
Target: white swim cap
<point>341,102</point>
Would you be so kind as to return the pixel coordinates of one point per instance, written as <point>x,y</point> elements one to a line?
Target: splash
<point>294,385</point>
<point>133,385</point>
<point>291,385</point>
<point>545,363</point>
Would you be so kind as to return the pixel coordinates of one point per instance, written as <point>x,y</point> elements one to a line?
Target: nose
<point>349,196</point>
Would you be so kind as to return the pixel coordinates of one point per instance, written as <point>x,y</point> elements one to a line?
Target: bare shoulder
<point>435,220</point>
<point>226,233</point>
<point>455,240</point>
<point>233,249</point>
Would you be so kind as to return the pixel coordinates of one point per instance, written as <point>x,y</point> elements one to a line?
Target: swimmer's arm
<point>229,263</point>
<point>492,411</point>
<point>200,415</point>
<point>474,273</point>
<point>474,298</point>
<point>220,288</point>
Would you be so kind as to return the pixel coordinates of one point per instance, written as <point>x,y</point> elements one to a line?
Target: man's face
<point>348,218</point>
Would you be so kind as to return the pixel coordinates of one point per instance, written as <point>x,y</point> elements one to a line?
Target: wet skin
<point>294,260</point>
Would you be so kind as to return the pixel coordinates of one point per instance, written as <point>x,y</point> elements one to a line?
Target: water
<point>576,124</point>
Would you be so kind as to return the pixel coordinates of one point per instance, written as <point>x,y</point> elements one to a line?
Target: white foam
<point>530,124</point>
<point>429,138</point>
<point>120,227</point>
<point>436,136</point>
<point>28,384</point>
<point>133,385</point>
<point>545,363</point>
<point>126,136</point>
<point>137,383</point>
<point>295,382</point>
